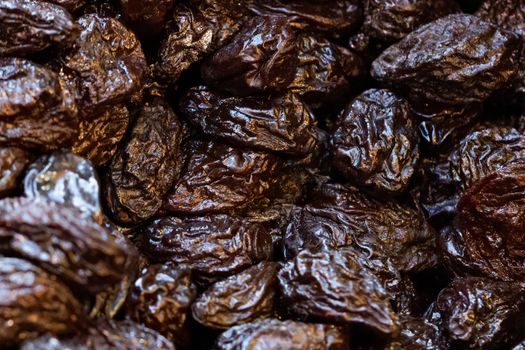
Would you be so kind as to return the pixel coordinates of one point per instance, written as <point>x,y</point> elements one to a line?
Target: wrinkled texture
<point>148,17</point>
<point>273,334</point>
<point>71,5</point>
<point>416,334</point>
<point>241,298</point>
<point>457,59</point>
<point>13,162</point>
<point>376,142</point>
<point>282,124</point>
<point>336,287</point>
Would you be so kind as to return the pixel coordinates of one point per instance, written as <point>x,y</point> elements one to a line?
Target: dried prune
<point>36,109</point>
<point>212,246</point>
<point>336,287</point>
<point>71,5</point>
<point>13,162</point>
<point>161,298</point>
<point>262,57</point>
<point>100,135</point>
<point>143,170</point>
<point>376,142</point>
<point>508,14</point>
<point>146,17</point>
<point>272,334</point>
<point>29,26</point>
<point>241,298</point>
<point>392,20</point>
<point>416,334</point>
<point>34,302</point>
<point>61,241</point>
<point>279,124</point>
<point>481,313</point>
<point>219,178</point>
<point>457,59</point>
<point>107,61</point>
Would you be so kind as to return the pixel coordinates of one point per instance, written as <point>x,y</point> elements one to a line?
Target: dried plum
<point>13,162</point>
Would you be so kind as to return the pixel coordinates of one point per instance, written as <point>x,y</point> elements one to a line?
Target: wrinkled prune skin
<point>416,334</point>
<point>13,162</point>
<point>336,287</point>
<point>508,14</point>
<point>61,241</point>
<point>261,58</point>
<point>389,20</point>
<point>71,5</point>
<point>481,313</point>
<point>273,334</point>
<point>29,26</point>
<point>211,246</point>
<point>161,298</point>
<point>67,179</point>
<point>458,59</point>
<point>326,71</point>
<point>100,135</point>
<point>218,178</point>
<point>241,298</point>
<point>279,124</point>
<point>143,170</point>
<point>146,17</point>
<point>34,302</point>
<point>342,216</point>
<point>107,61</point>
<point>36,110</point>
<point>376,142</point>
<point>333,18</point>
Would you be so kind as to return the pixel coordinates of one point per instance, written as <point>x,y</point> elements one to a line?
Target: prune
<point>146,17</point>
<point>334,18</point>
<point>481,313</point>
<point>272,334</point>
<point>279,124</point>
<point>13,162</point>
<point>71,5</point>
<point>66,179</point>
<point>100,135</point>
<point>342,216</point>
<point>212,246</point>
<point>262,57</point>
<point>34,302</point>
<point>107,61</point>
<point>416,334</point>
<point>36,109</point>
<point>326,71</point>
<point>392,20</point>
<point>219,178</point>
<point>241,298</point>
<point>61,241</point>
<point>29,26</point>
<point>336,287</point>
<point>457,59</point>
<point>376,142</point>
<point>508,14</point>
<point>161,298</point>
<point>143,170</point>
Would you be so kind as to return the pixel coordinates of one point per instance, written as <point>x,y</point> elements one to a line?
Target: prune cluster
<point>262,174</point>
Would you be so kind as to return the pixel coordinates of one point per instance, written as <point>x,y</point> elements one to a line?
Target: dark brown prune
<point>36,110</point>
<point>334,18</point>
<point>342,216</point>
<point>481,313</point>
<point>71,5</point>
<point>213,246</point>
<point>100,135</point>
<point>376,143</point>
<point>34,302</point>
<point>108,63</point>
<point>336,287</point>
<point>67,179</point>
<point>279,124</point>
<point>61,241</point>
<point>13,162</point>
<point>508,14</point>
<point>272,334</point>
<point>161,298</point>
<point>458,59</point>
<point>416,334</point>
<point>148,17</point>
<point>262,57</point>
<point>143,170</point>
<point>29,26</point>
<point>219,178</point>
<point>241,298</point>
<point>392,20</point>
<point>325,72</point>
